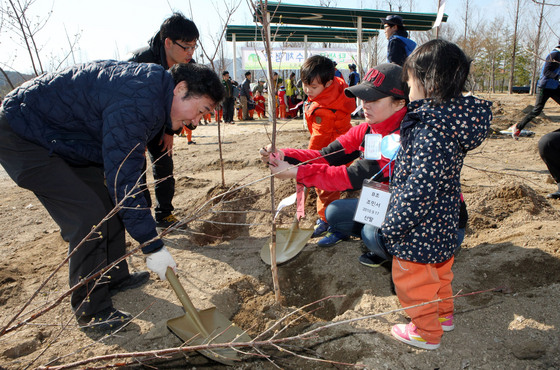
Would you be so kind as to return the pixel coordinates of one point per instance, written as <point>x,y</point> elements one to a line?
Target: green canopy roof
<point>297,34</point>
<point>344,17</point>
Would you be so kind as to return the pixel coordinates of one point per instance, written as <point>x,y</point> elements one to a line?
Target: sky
<point>111,29</point>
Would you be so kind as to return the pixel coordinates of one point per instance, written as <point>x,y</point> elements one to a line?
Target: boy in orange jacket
<point>327,113</point>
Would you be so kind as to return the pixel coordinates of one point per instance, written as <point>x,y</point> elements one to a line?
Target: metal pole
<point>437,28</point>
<point>359,41</point>
<point>234,57</point>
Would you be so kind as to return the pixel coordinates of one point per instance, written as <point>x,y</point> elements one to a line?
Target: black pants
<point>162,168</point>
<point>549,149</point>
<point>77,199</point>
<point>542,96</point>
<point>228,105</point>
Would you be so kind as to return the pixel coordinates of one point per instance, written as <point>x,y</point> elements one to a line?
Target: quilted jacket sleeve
<point>126,128</point>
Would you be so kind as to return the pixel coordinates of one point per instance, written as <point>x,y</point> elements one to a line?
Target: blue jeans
<point>340,217</point>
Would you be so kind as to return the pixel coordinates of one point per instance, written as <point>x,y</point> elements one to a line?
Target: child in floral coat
<point>420,228</point>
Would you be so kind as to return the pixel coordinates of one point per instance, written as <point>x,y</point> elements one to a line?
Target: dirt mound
<point>8,284</point>
<point>492,206</point>
<point>259,310</point>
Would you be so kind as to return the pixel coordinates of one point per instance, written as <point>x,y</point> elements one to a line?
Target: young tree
<point>493,52</point>
<point>536,43</point>
<point>516,11</point>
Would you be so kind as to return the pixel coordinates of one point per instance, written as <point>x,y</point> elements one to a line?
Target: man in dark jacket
<point>76,138</point>
<point>174,43</point>
<point>547,87</point>
<point>245,96</point>
<point>399,46</point>
<point>229,99</point>
<point>549,145</point>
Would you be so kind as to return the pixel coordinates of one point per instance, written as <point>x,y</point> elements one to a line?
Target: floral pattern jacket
<point>423,216</point>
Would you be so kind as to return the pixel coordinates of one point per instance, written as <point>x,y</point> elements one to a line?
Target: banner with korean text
<point>292,58</point>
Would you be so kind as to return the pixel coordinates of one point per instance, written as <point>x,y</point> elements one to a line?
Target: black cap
<point>393,20</point>
<point>380,82</point>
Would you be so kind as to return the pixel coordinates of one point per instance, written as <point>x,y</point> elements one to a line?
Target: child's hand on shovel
<point>158,262</point>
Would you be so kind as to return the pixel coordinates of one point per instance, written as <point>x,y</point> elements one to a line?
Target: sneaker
<point>331,239</point>
<point>555,195</point>
<point>371,259</point>
<point>321,229</point>
<point>447,322</point>
<point>407,333</point>
<point>104,321</point>
<point>191,142</point>
<point>167,221</point>
<point>134,280</point>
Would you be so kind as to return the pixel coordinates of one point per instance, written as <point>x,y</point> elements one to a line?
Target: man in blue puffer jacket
<point>399,46</point>
<point>77,138</point>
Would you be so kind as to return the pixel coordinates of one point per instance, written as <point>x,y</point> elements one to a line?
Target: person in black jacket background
<point>174,43</point>
<point>548,87</point>
<point>399,46</point>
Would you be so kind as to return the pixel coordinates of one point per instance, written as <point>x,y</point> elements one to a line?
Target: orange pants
<point>187,132</point>
<point>417,283</point>
<point>324,198</point>
<point>218,114</point>
<point>282,111</point>
<point>208,117</point>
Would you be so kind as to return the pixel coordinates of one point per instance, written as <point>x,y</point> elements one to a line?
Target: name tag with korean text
<point>372,146</point>
<point>373,203</point>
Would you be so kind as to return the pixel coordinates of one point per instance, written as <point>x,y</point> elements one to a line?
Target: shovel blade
<point>221,331</point>
<point>289,242</point>
<point>204,327</point>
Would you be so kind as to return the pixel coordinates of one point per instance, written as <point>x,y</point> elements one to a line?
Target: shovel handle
<point>185,300</point>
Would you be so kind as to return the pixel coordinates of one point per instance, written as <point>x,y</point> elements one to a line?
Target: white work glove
<point>158,262</point>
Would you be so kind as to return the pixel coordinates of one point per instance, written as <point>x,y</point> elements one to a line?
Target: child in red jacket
<point>282,102</point>
<point>327,113</point>
<point>259,104</point>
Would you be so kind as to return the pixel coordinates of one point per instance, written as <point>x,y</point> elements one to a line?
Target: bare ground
<point>512,243</point>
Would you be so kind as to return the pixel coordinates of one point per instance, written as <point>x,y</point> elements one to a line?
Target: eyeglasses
<point>186,48</point>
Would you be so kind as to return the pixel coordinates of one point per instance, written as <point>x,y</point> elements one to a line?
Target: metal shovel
<point>289,242</point>
<point>203,327</point>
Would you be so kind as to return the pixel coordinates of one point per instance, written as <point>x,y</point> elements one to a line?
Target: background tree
<point>536,43</point>
<point>516,11</point>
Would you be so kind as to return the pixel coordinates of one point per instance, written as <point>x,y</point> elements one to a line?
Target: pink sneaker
<point>407,333</point>
<point>447,323</point>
